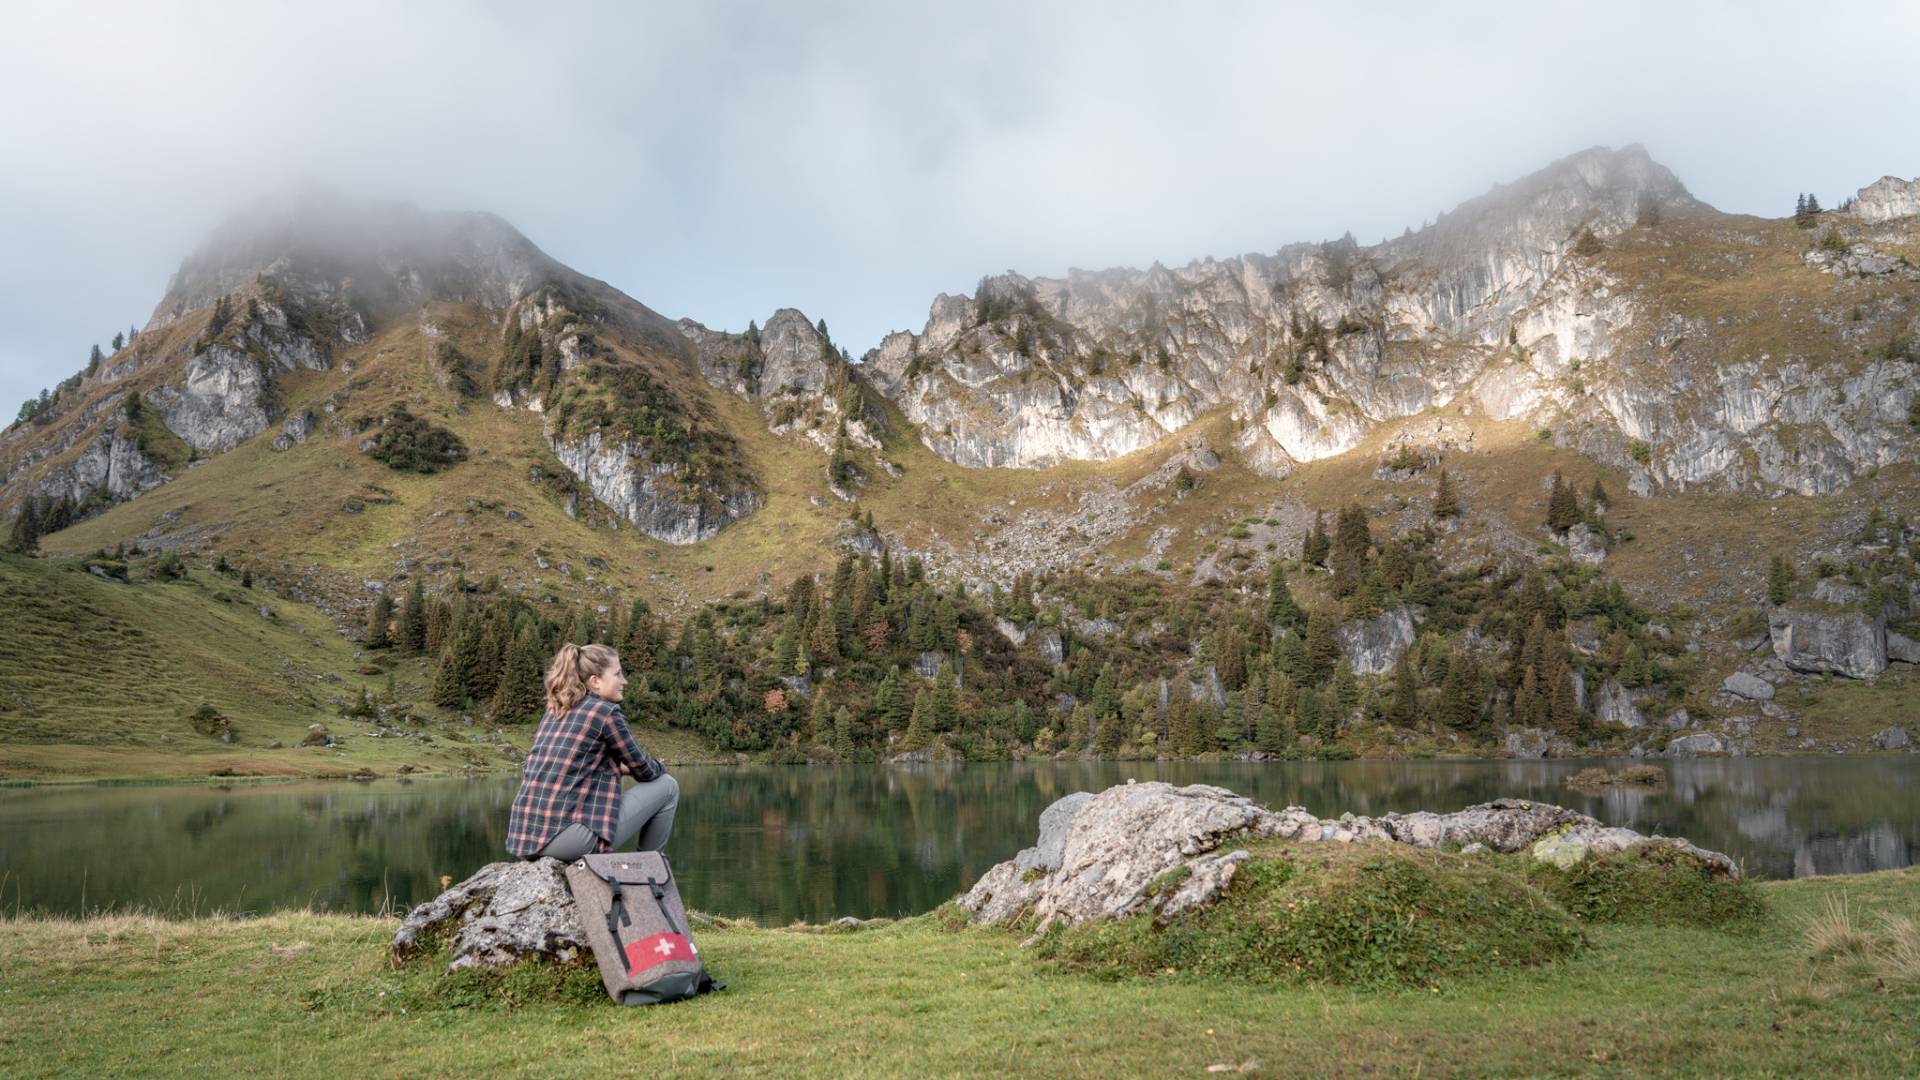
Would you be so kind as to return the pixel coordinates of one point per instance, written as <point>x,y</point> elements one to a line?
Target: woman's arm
<point>627,753</point>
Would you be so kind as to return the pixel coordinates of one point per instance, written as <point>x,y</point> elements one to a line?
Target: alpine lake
<point>812,843</point>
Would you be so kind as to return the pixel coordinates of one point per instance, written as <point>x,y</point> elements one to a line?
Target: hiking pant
<point>646,811</point>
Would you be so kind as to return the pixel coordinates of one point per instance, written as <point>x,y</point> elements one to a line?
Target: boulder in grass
<point>505,913</point>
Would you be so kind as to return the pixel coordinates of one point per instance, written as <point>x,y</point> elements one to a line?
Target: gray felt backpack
<point>631,913</point>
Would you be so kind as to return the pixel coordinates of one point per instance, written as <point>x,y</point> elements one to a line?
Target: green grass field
<point>309,995</point>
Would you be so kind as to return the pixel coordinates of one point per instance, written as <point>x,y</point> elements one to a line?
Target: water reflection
<point>815,843</point>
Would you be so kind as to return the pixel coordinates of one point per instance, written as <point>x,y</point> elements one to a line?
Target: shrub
<point>410,444</point>
<point>1657,884</point>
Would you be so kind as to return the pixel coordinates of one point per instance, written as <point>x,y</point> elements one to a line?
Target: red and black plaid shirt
<point>572,774</point>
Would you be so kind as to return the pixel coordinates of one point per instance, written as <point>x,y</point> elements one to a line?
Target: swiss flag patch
<point>658,949</point>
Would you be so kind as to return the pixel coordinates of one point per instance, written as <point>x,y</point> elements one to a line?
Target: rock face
<point>508,911</point>
<point>1851,644</point>
<point>1114,845</point>
<point>1374,645</point>
<point>1902,648</point>
<point>648,494</point>
<point>1892,738</point>
<point>1615,704</point>
<point>1888,198</point>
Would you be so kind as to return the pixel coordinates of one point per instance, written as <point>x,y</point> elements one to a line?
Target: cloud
<point>717,161</point>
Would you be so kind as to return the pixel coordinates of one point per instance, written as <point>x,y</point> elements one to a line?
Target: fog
<point>717,161</point>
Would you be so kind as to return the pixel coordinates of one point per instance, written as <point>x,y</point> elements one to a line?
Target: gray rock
<point>1585,546</point>
<point>1055,821</point>
<point>649,494</point>
<point>1851,644</point>
<point>1834,591</point>
<point>928,664</point>
<point>1887,199</point>
<point>1705,742</point>
<point>1749,686</point>
<point>1892,738</point>
<point>1902,648</point>
<point>507,912</point>
<point>1016,635</point>
<point>1615,704</point>
<point>1374,645</point>
<point>1050,645</point>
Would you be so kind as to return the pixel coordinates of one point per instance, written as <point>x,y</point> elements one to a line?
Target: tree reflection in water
<point>814,843</point>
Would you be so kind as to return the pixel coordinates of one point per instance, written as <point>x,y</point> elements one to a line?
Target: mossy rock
<point>1654,884</point>
<point>1367,915</point>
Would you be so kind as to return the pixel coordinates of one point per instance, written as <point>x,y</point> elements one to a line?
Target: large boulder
<point>1704,742</point>
<point>1748,685</point>
<point>1893,737</point>
<point>507,912</point>
<point>1850,644</point>
<point>1118,844</point>
<point>1374,645</point>
<point>1902,648</point>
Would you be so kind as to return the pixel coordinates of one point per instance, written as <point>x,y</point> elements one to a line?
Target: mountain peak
<point>392,252</point>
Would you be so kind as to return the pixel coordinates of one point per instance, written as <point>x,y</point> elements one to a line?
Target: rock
<point>650,494</point>
<point>1705,742</point>
<point>505,913</point>
<point>1902,648</point>
<point>1615,704</point>
<point>928,664</point>
<point>1832,591</point>
<point>1048,641</point>
<point>1373,646</point>
<point>1749,686</point>
<point>1851,644</point>
<point>1475,848</point>
<point>1016,635</point>
<point>1887,199</point>
<point>1892,738</point>
<point>295,430</point>
<point>1563,850</point>
<point>1119,842</point>
<point>1585,546</point>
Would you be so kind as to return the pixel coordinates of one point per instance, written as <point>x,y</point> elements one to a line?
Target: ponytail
<point>567,676</point>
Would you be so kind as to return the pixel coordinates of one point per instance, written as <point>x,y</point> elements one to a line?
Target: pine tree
<point>842,733</point>
<point>484,680</point>
<point>1318,544</point>
<point>1321,649</point>
<point>378,636</point>
<point>820,720</point>
<point>24,537</point>
<point>521,697</point>
<point>1179,721</point>
<point>1597,500</point>
<point>119,341</point>
<point>1563,507</point>
<point>246,577</point>
<point>1403,707</point>
<point>412,637</point>
<point>890,702</point>
<point>1779,581</point>
<point>946,701</point>
<point>1352,534</point>
<point>1446,503</point>
<point>1275,733</point>
<point>584,627</point>
<point>1281,609</point>
<point>439,625</point>
<point>1310,715</point>
<point>455,673</point>
<point>1345,689</point>
<point>1459,704</point>
<point>919,725</point>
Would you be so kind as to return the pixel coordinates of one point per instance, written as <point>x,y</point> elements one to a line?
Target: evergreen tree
<point>521,697</point>
<point>1281,609</point>
<point>484,680</point>
<point>1563,507</point>
<point>1352,534</point>
<point>439,626</point>
<point>246,577</point>
<point>1321,649</point>
<point>1459,704</point>
<point>820,720</point>
<point>1318,544</point>
<point>1563,708</point>
<point>1345,689</point>
<point>119,341</point>
<point>24,537</point>
<point>890,702</point>
<point>1403,707</point>
<point>1446,503</point>
<point>455,673</point>
<point>946,701</point>
<point>1276,734</point>
<point>1779,581</point>
<point>1180,733</point>
<point>920,724</point>
<point>1310,715</point>
<point>412,637</point>
<point>585,626</point>
<point>1597,500</point>
<point>378,636</point>
<point>842,733</point>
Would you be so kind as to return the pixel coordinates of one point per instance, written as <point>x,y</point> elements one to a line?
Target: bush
<point>1655,884</point>
<point>410,444</point>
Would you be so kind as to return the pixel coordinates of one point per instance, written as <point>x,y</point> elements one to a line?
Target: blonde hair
<point>567,675</point>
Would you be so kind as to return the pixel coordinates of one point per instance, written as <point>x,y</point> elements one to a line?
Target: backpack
<point>631,913</point>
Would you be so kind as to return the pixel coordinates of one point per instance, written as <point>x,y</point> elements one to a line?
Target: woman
<point>569,803</point>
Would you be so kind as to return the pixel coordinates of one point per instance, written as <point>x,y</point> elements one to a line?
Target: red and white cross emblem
<point>658,949</point>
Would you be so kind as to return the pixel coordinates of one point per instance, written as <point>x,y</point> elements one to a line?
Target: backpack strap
<point>616,910</point>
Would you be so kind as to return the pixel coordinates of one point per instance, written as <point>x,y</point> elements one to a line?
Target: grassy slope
<point>95,673</point>
<point>296,994</point>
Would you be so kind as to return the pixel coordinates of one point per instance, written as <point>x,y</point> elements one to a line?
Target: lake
<point>814,843</point>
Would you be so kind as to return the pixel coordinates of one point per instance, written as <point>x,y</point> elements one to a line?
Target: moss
<point>1654,884</point>
<point>1364,915</point>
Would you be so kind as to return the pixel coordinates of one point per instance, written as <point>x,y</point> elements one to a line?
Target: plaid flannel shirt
<point>572,774</point>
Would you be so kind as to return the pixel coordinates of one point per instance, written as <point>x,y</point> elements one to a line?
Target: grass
<point>102,678</point>
<point>310,995</point>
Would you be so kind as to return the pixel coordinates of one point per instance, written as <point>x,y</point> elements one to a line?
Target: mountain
<point>1595,298</point>
<point>1686,434</point>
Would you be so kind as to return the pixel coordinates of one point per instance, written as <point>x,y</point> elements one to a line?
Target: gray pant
<point>646,811</point>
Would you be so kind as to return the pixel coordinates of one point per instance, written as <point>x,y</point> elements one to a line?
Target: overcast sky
<point>719,160</point>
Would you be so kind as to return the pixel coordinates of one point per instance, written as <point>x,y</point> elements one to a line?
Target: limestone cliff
<point>1510,305</point>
